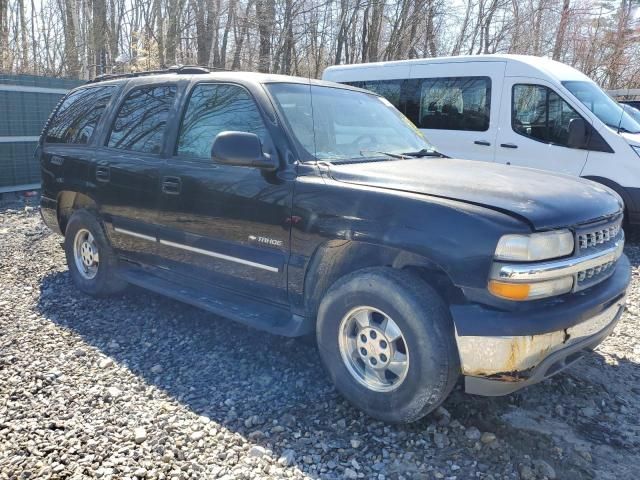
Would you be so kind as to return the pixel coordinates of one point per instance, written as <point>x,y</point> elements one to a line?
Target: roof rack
<point>178,69</point>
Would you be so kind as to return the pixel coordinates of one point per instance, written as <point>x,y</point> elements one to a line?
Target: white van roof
<point>517,65</point>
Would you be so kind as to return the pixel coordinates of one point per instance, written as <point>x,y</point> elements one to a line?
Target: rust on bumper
<point>513,359</point>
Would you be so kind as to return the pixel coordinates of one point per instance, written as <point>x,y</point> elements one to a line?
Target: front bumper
<point>537,343</point>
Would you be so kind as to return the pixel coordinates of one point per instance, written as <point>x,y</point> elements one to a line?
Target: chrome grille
<point>595,238</point>
<point>599,236</point>
<point>591,276</point>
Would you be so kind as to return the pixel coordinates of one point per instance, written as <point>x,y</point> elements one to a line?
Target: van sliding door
<point>457,106</point>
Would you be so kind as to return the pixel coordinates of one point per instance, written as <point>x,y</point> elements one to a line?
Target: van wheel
<point>388,343</point>
<point>91,260</point>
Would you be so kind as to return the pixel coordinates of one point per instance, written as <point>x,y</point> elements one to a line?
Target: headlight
<point>636,148</point>
<point>535,246</point>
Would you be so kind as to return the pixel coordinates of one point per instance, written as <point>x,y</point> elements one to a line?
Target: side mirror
<point>578,133</point>
<point>241,149</point>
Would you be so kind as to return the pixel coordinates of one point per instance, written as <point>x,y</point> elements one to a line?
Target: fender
<point>337,258</point>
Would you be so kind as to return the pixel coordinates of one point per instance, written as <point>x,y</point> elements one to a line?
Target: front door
<point>457,110</point>
<point>224,224</point>
<point>535,128</point>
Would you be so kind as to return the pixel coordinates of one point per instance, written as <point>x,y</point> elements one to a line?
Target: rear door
<point>126,170</point>
<point>535,128</point>
<point>457,106</point>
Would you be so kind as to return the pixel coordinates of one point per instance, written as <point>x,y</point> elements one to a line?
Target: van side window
<point>142,118</point>
<point>389,89</point>
<point>213,109</point>
<point>539,112</point>
<point>460,103</point>
<point>78,115</point>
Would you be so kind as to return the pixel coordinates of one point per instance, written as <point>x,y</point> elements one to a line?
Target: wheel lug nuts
<point>363,337</point>
<point>373,361</point>
<point>383,357</point>
<point>373,334</point>
<point>363,351</point>
<point>383,344</point>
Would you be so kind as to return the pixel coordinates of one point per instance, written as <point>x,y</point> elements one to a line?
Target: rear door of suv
<point>126,170</point>
<point>223,224</point>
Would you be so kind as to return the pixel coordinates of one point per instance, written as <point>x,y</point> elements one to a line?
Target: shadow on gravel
<point>273,391</point>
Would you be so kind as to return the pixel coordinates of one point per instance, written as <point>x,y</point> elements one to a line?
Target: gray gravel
<point>139,386</point>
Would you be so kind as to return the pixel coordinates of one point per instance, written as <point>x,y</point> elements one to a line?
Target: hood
<point>545,199</point>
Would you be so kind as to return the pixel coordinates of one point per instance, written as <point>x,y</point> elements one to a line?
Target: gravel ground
<point>139,386</point>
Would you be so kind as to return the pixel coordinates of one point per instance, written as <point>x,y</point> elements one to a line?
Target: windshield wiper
<point>424,153</point>
<point>401,156</point>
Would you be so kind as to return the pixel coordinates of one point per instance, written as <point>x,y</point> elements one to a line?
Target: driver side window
<point>539,113</point>
<point>215,108</point>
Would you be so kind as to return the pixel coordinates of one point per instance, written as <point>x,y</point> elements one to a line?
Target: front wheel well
<point>337,259</point>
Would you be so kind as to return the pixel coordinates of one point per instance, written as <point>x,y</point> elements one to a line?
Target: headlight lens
<point>636,149</point>
<point>535,246</point>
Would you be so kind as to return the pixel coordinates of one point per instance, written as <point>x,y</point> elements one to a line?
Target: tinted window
<point>142,118</point>
<point>389,89</point>
<point>460,103</point>
<point>213,109</point>
<point>78,115</point>
<point>538,112</point>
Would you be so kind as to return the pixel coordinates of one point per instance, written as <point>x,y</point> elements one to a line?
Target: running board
<point>254,313</point>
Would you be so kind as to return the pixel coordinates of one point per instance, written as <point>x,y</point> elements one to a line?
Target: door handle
<point>484,143</point>
<point>171,185</point>
<point>103,173</point>
<point>508,145</point>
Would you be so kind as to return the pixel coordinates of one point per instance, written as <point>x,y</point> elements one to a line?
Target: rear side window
<point>539,112</point>
<point>213,109</point>
<point>142,118</point>
<point>78,115</point>
<point>454,103</point>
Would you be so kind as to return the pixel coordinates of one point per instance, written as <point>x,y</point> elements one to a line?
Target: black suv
<point>299,206</point>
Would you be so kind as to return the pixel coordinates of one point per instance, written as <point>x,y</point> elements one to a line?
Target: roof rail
<point>178,69</point>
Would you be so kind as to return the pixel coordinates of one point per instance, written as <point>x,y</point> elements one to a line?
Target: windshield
<point>633,112</point>
<point>603,106</point>
<point>337,124</point>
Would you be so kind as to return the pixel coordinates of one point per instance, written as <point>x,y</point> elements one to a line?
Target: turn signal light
<point>511,291</point>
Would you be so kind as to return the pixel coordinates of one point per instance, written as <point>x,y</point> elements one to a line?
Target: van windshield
<point>603,106</point>
<point>337,124</point>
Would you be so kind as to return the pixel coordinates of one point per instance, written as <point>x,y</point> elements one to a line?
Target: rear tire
<point>388,343</point>
<point>91,260</point>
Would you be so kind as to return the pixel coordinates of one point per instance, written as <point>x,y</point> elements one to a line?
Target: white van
<point>513,109</point>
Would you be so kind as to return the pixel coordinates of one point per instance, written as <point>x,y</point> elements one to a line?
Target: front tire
<point>91,260</point>
<point>388,343</point>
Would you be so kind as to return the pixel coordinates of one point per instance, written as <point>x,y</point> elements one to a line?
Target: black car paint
<point>440,215</point>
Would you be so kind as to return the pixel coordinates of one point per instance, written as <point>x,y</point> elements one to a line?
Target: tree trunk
<point>265,13</point>
<point>562,30</point>
<point>99,36</point>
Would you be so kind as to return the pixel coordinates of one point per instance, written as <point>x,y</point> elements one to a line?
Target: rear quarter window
<point>78,115</point>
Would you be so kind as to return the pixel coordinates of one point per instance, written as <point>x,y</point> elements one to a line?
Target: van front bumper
<point>538,343</point>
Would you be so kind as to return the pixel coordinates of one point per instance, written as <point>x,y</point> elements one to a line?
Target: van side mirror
<point>578,132</point>
<point>241,149</point>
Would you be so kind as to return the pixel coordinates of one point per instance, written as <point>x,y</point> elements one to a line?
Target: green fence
<point>25,104</point>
